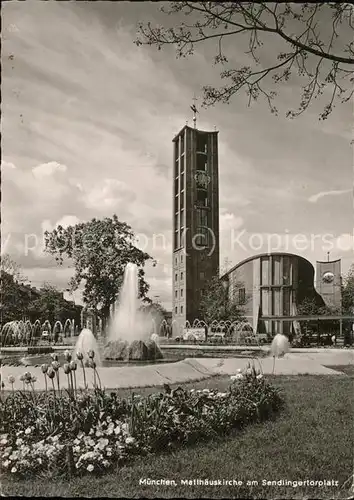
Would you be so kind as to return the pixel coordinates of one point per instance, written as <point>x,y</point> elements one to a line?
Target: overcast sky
<point>87,124</point>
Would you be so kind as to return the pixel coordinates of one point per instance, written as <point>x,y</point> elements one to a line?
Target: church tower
<point>195,220</point>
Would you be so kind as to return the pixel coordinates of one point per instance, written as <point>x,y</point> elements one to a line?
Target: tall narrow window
<point>241,296</point>
<point>176,159</point>
<point>286,271</point>
<point>276,302</point>
<point>182,181</point>
<point>182,144</point>
<point>265,271</point>
<point>265,302</point>
<point>182,164</point>
<point>182,220</point>
<point>201,162</point>
<point>181,309</point>
<point>176,242</point>
<point>276,270</point>
<point>202,143</point>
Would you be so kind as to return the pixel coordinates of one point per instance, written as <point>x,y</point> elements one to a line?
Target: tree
<point>311,306</point>
<point>100,250</point>
<point>315,41</point>
<point>11,267</point>
<point>50,304</point>
<point>15,296</point>
<point>215,303</point>
<point>348,292</point>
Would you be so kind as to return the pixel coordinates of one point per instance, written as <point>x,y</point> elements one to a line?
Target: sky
<point>87,125</point>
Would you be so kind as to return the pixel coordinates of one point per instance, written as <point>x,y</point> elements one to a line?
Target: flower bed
<point>77,431</point>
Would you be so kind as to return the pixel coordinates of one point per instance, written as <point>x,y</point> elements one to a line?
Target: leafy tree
<point>100,250</point>
<point>51,305</point>
<point>315,42</point>
<point>348,292</point>
<point>215,303</point>
<point>310,306</point>
<point>15,296</point>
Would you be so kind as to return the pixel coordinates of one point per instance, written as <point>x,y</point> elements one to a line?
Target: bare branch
<point>312,31</point>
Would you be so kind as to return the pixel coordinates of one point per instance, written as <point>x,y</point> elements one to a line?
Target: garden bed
<point>302,442</point>
<point>83,432</point>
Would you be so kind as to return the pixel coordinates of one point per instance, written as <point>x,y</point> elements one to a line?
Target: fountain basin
<point>137,350</point>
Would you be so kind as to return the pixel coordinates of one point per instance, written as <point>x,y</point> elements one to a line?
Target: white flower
<point>125,428</point>
<point>3,441</point>
<point>259,376</point>
<point>239,370</point>
<point>130,440</point>
<point>206,390</point>
<point>99,434</point>
<point>90,468</point>
<point>6,463</point>
<point>13,470</point>
<point>117,429</point>
<point>19,441</point>
<point>28,430</point>
<point>238,376</point>
<point>76,449</point>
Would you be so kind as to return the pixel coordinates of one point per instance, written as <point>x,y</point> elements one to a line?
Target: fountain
<point>87,342</point>
<point>129,333</point>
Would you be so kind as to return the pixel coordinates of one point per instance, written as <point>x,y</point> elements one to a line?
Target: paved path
<point>193,369</point>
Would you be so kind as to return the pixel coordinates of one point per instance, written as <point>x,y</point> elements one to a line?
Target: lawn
<point>311,440</point>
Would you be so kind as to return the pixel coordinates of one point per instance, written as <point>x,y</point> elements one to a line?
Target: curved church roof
<point>266,254</point>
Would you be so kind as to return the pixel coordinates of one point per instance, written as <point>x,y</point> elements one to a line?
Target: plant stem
<point>58,381</point>
<point>83,369</point>
<point>71,383</point>
<point>99,379</point>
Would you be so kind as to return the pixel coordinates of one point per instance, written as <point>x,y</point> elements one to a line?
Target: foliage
<point>312,307</point>
<point>348,292</point>
<point>11,267</point>
<point>51,305</point>
<point>21,301</point>
<point>98,429</point>
<point>216,305</point>
<point>15,296</point>
<point>100,250</point>
<point>313,42</point>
